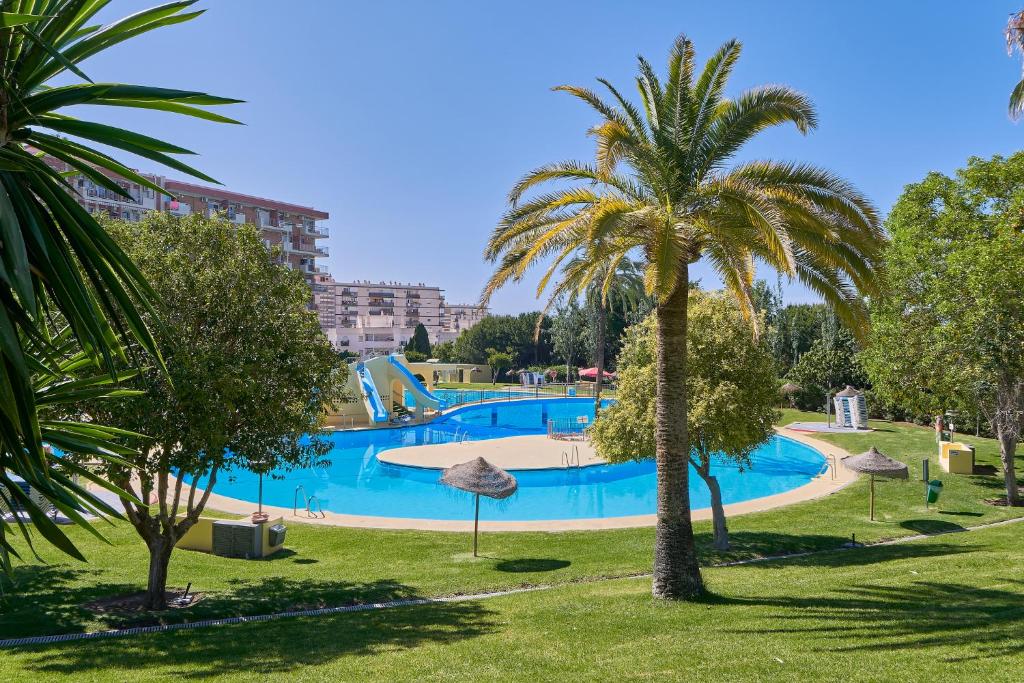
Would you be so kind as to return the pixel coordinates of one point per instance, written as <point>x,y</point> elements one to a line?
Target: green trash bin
<point>276,534</point>
<point>934,489</point>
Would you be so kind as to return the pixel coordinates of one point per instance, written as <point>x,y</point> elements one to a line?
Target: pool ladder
<point>308,501</point>
<point>571,458</point>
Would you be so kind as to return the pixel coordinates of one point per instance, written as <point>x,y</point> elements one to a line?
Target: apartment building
<point>362,317</point>
<point>294,228</point>
<point>459,317</point>
<point>375,318</point>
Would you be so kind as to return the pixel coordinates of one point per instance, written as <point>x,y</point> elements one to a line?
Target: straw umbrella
<point>873,463</point>
<point>788,389</point>
<point>480,478</point>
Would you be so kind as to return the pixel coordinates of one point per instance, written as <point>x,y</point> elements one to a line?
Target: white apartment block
<point>376,318</point>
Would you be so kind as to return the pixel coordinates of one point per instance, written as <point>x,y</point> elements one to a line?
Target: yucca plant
<point>55,257</point>
<point>63,378</point>
<point>664,187</point>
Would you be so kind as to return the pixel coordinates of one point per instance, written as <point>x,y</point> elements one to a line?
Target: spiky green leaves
<point>56,260</point>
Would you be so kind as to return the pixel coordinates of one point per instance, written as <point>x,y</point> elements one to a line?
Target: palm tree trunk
<point>676,573</point>
<point>602,324</point>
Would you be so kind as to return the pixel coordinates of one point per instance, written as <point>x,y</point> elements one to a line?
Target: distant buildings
<point>292,227</point>
<point>374,318</point>
<point>360,317</point>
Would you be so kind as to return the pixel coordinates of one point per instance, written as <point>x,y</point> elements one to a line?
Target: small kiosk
<point>851,409</point>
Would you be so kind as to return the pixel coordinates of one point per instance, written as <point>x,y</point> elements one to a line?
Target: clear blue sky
<point>409,121</point>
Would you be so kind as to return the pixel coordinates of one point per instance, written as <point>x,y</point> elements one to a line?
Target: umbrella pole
<point>872,497</point>
<point>476,523</point>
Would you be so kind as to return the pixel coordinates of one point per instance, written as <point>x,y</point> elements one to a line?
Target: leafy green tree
<point>801,326</point>
<point>732,383</point>
<point>665,187</point>
<point>515,333</point>
<point>445,351</point>
<point>567,329</point>
<point>416,357</point>
<point>419,342</point>
<point>498,362</point>
<point>947,334</point>
<point>249,375</point>
<point>55,256</point>
<point>832,363</point>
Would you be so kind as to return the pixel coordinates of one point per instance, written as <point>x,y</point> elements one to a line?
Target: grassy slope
<point>949,608</point>
<point>333,566</point>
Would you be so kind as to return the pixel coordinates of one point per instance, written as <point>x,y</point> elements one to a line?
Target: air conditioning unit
<point>241,539</point>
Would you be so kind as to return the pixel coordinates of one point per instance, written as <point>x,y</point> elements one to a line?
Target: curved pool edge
<point>822,485</point>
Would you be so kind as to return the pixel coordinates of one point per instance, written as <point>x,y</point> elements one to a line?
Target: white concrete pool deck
<point>534,452</point>
<point>821,485</point>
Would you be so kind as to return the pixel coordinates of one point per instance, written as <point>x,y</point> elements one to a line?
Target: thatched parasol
<point>873,463</point>
<point>480,478</point>
<point>787,390</point>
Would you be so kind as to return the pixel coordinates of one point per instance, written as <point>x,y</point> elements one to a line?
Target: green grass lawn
<point>326,566</point>
<point>949,608</point>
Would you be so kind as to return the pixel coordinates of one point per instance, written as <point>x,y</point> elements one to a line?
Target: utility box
<point>956,457</point>
<point>239,538</point>
<point>235,537</point>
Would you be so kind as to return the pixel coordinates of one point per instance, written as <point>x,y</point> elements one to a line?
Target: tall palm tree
<point>664,187</point>
<point>605,285</point>
<point>616,286</point>
<point>55,258</point>
<point>1014,34</point>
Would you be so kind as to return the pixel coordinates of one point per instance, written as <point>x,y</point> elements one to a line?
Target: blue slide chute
<point>371,397</point>
<point>419,392</point>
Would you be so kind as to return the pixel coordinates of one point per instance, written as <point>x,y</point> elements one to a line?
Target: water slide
<point>374,404</point>
<point>415,387</point>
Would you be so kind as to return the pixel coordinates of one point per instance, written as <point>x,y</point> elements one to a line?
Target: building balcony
<point>318,231</point>
<point>322,251</point>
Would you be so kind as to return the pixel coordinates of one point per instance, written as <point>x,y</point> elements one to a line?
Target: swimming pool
<point>357,483</point>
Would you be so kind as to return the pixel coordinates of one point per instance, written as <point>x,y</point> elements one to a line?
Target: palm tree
<point>1014,34</point>
<point>605,286</point>
<point>614,286</point>
<point>664,187</point>
<point>56,259</point>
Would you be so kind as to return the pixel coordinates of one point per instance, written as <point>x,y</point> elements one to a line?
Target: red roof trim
<point>262,202</point>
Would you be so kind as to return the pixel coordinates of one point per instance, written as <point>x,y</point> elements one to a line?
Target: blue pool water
<point>357,483</point>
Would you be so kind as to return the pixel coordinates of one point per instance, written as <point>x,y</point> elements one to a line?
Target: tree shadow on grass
<point>931,526</point>
<point>759,545</point>
<point>524,565</point>
<point>979,622</point>
<point>270,647</point>
<point>51,600</point>
<point>47,599</point>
